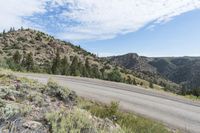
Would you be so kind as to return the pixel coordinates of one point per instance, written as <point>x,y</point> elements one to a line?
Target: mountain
<point>134,62</point>
<point>29,50</point>
<point>184,71</point>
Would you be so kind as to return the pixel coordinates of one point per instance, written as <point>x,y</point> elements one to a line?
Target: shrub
<point>105,111</point>
<point>115,75</point>
<point>151,85</point>
<point>69,122</point>
<point>60,92</point>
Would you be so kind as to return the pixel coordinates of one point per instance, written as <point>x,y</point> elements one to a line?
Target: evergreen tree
<point>64,66</point>
<point>196,92</point>
<point>56,64</point>
<point>102,70</point>
<point>28,62</point>
<point>134,82</point>
<point>87,67</point>
<point>4,33</point>
<point>84,72</point>
<point>129,80</point>
<point>17,57</point>
<point>74,69</point>
<point>95,71</point>
<point>151,85</point>
<point>12,29</point>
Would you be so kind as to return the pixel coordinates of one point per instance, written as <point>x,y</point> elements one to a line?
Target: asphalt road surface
<point>173,111</point>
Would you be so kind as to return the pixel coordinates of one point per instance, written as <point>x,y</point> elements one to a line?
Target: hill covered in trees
<point>33,51</point>
<point>184,71</point>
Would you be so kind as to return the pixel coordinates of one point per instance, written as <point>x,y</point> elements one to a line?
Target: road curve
<point>171,110</point>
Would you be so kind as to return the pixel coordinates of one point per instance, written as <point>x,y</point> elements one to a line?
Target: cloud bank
<point>90,19</point>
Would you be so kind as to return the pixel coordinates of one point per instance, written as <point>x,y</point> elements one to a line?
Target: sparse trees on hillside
<point>12,29</point>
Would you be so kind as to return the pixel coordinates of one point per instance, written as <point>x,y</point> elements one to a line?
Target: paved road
<point>173,111</point>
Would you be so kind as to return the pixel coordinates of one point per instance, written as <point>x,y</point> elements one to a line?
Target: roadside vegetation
<point>28,106</point>
<point>129,122</point>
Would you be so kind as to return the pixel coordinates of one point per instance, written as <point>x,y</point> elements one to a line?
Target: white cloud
<point>94,19</point>
<point>12,11</point>
<point>113,17</point>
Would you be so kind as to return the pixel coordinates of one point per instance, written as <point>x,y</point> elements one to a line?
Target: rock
<point>5,131</point>
<point>10,97</point>
<point>32,125</point>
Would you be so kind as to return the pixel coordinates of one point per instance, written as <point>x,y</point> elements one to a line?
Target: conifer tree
<point>17,57</point>
<point>87,68</point>
<point>95,71</point>
<point>151,85</point>
<point>28,61</point>
<point>56,64</point>
<point>64,66</point>
<point>74,68</point>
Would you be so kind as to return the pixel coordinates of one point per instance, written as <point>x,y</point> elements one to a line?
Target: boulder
<point>34,125</point>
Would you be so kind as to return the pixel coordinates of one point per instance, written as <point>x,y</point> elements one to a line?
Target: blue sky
<point>179,37</point>
<point>146,27</point>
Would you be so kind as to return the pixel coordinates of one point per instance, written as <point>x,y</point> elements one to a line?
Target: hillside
<point>184,71</point>
<point>33,51</point>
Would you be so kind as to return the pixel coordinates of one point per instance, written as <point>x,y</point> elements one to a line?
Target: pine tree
<point>134,82</point>
<point>74,68</point>
<point>151,85</point>
<point>82,69</point>
<point>17,57</point>
<point>87,68</point>
<point>102,70</point>
<point>129,80</point>
<point>64,66</point>
<point>4,34</point>
<point>95,71</point>
<point>56,64</point>
<point>28,62</point>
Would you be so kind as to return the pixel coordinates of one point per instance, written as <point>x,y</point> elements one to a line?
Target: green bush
<point>107,111</point>
<point>115,75</point>
<point>60,92</point>
<point>69,122</point>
